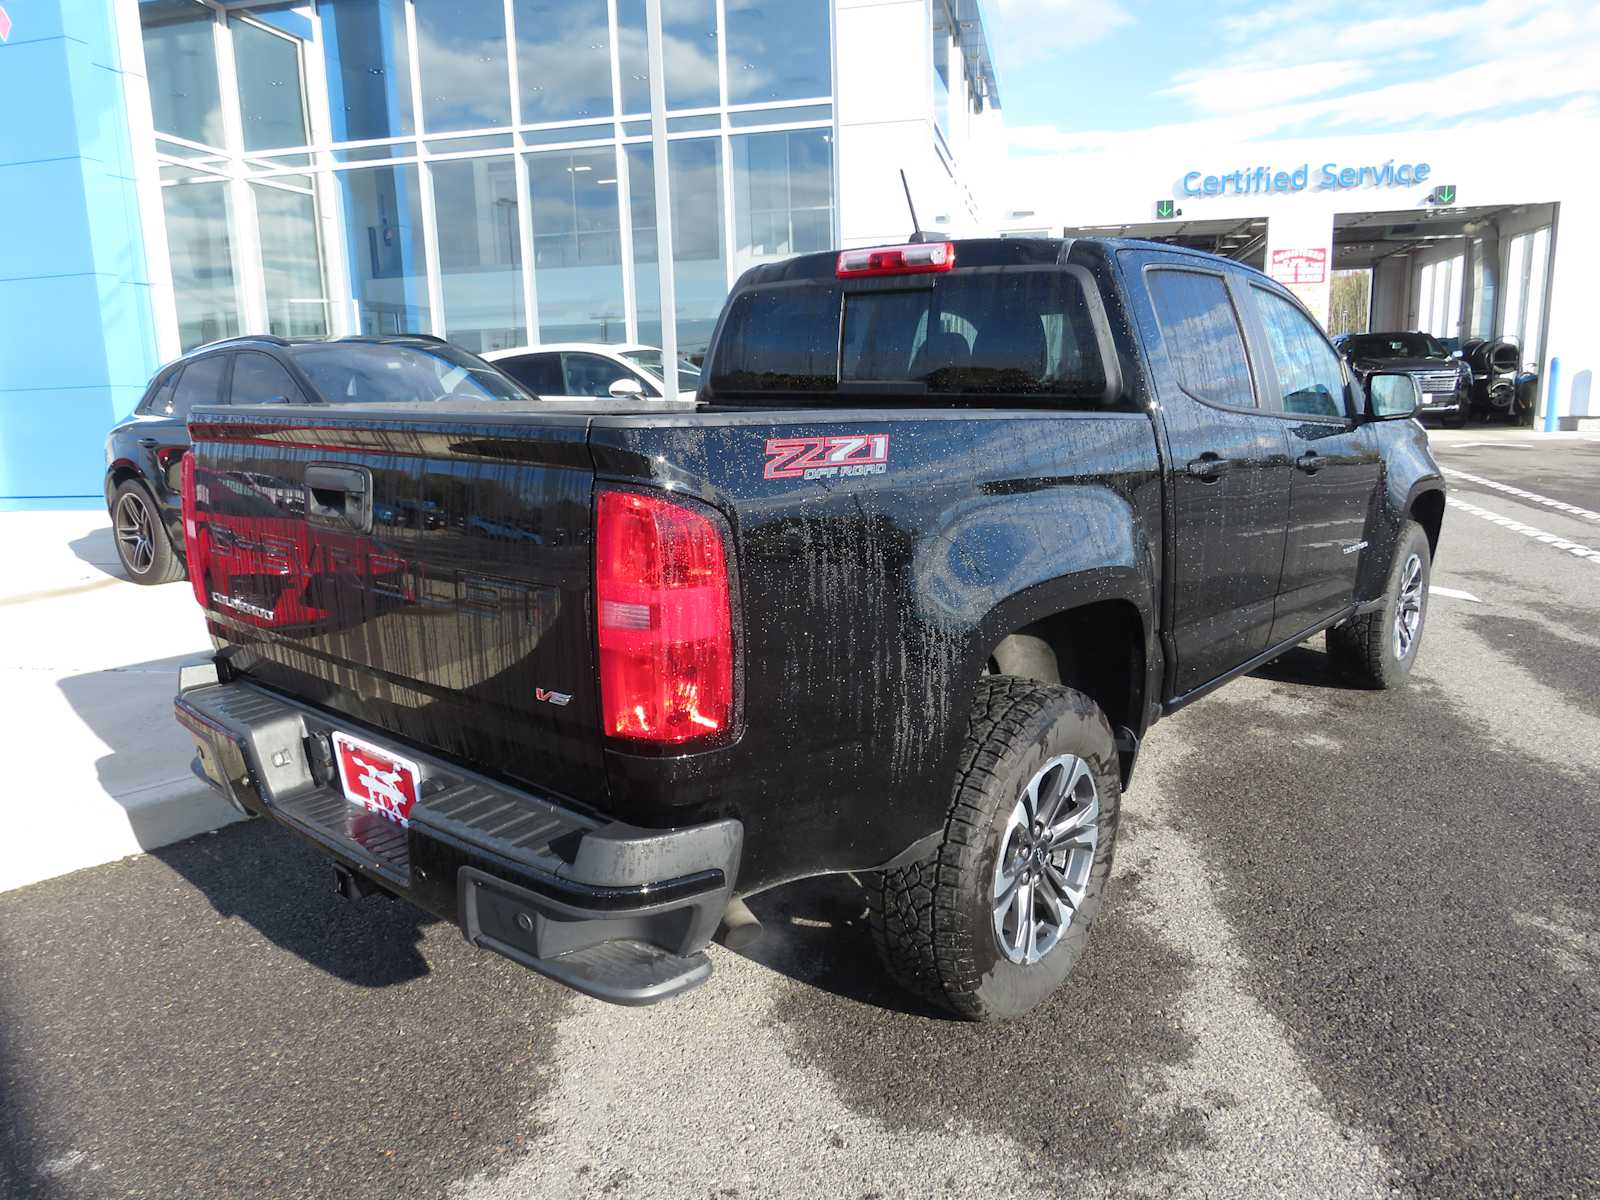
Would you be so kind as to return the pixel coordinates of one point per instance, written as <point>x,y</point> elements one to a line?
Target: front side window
<point>201,383</point>
<point>1309,374</point>
<point>591,375</point>
<point>1200,332</point>
<point>650,360</point>
<point>261,379</point>
<point>397,373</point>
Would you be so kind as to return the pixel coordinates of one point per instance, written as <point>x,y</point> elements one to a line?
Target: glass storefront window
<point>782,194</point>
<point>180,60</point>
<point>777,51</point>
<point>201,250</point>
<point>563,59</point>
<point>267,66</point>
<point>942,26</point>
<point>699,272</point>
<point>461,49</point>
<point>383,232</point>
<point>297,301</point>
<point>369,68</point>
<point>480,252</point>
<point>689,48</point>
<point>577,245</point>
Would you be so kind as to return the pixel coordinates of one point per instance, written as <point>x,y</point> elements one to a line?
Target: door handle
<point>1208,468</point>
<point>149,442</point>
<point>1310,462</point>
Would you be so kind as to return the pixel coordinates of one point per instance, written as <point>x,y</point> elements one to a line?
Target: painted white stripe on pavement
<point>1572,510</point>
<point>1538,535</point>
<point>1435,590</point>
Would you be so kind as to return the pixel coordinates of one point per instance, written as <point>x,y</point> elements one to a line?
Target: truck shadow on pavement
<point>264,876</point>
<point>1304,665</point>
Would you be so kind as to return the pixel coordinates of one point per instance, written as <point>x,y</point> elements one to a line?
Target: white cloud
<point>1299,66</point>
<point>1248,86</point>
<point>1032,31</point>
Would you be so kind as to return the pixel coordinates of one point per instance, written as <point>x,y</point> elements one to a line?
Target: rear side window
<point>781,339</point>
<point>1309,373</point>
<point>1025,333</point>
<point>539,373</point>
<point>262,379</point>
<point>160,400</point>
<point>1200,331</point>
<point>201,383</point>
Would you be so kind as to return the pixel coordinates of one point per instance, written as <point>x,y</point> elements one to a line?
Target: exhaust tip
<point>740,929</point>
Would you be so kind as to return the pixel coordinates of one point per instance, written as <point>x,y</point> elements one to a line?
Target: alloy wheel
<point>1408,612</point>
<point>135,533</point>
<point>1046,854</point>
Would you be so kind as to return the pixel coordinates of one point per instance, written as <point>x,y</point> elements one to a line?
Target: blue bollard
<point>1550,396</point>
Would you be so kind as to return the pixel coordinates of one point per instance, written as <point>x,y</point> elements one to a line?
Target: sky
<point>1082,75</point>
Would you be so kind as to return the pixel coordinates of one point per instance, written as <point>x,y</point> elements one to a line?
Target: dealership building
<point>1491,231</point>
<point>177,171</point>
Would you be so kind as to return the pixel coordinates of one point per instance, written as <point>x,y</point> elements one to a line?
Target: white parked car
<point>592,371</point>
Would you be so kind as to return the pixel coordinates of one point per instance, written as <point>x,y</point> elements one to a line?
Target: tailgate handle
<point>339,497</point>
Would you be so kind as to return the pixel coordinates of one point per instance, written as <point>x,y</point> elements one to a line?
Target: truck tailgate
<point>427,575</point>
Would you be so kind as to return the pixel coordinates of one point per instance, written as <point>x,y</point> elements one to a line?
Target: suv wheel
<point>142,544</point>
<point>1377,650</point>
<point>991,921</point>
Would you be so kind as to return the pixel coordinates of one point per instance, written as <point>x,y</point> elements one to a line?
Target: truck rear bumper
<point>616,911</point>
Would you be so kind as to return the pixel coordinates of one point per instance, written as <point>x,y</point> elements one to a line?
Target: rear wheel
<point>1377,649</point>
<point>990,922</point>
<point>142,544</point>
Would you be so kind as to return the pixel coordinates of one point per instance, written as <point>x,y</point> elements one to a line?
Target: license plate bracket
<point>375,778</point>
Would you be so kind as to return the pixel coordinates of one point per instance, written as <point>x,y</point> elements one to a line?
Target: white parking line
<point>1435,590</point>
<point>1538,535</point>
<point>1572,510</point>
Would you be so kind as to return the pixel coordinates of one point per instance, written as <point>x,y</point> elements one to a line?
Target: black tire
<point>933,921</point>
<point>157,564</point>
<point>1367,650</point>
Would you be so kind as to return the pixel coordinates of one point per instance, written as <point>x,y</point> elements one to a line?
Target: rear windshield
<point>1020,333</point>
<point>395,373</point>
<point>1393,345</point>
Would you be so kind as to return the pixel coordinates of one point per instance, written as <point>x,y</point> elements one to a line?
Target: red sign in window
<point>1299,266</point>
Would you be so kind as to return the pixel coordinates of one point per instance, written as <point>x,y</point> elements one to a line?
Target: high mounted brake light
<point>915,258</point>
<point>663,603</point>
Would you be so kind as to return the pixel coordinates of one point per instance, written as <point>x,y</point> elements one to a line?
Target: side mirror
<point>1392,396</point>
<point>626,389</point>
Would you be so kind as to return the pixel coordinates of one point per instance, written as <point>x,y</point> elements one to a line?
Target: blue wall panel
<point>77,335</point>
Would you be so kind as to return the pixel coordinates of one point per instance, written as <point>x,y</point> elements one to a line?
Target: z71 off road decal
<point>823,457</point>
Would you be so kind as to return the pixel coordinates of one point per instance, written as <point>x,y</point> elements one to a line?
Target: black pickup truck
<point>947,528</point>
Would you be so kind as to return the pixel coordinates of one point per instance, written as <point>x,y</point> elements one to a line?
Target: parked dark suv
<point>144,454</point>
<point>1445,380</point>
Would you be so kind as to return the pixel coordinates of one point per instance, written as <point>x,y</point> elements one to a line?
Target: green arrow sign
<point>1445,193</point>
<point>1165,208</point>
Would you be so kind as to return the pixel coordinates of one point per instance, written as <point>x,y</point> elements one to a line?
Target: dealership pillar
<point>77,337</point>
<point>1300,256</point>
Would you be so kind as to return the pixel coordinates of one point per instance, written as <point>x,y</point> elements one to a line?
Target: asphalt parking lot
<point>1353,948</point>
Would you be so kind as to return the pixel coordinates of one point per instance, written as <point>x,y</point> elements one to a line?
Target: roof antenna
<point>916,230</point>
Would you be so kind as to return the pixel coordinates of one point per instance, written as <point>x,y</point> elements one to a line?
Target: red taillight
<point>194,545</point>
<point>664,607</point>
<point>914,258</point>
